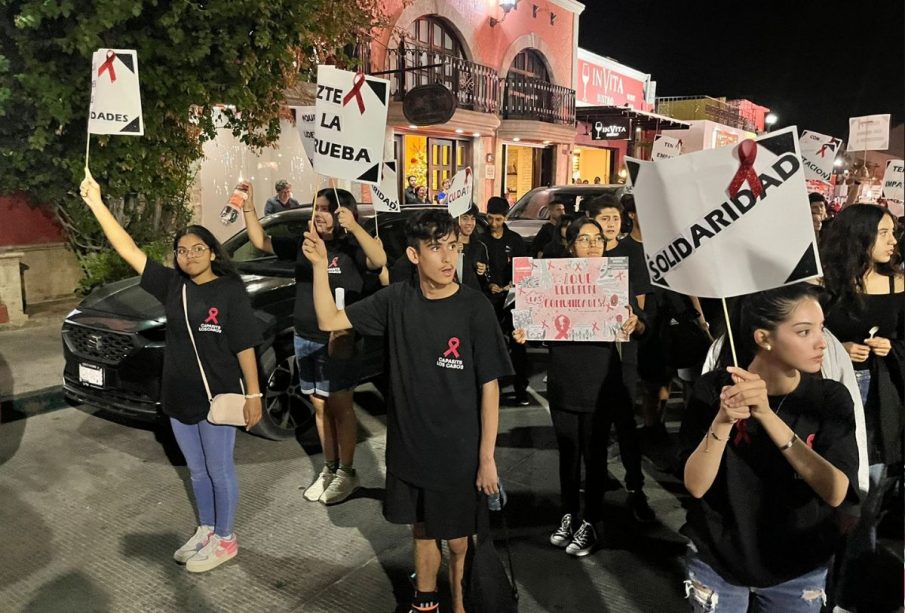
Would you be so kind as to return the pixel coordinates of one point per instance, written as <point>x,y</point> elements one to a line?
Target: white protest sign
<point>385,197</point>
<point>115,97</point>
<point>458,196</point>
<point>728,221</point>
<point>304,121</point>
<point>818,152</point>
<point>868,133</point>
<point>349,129</point>
<point>665,147</point>
<point>894,180</point>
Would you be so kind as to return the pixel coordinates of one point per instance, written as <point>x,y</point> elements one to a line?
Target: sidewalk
<point>31,362</point>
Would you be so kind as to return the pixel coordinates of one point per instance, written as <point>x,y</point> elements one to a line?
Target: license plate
<point>91,374</point>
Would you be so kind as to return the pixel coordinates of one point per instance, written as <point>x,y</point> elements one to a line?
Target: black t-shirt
<point>500,252</point>
<point>760,524</point>
<point>475,251</point>
<point>347,267</point>
<point>223,323</point>
<point>852,323</point>
<point>638,276</point>
<point>546,234</point>
<point>440,354</point>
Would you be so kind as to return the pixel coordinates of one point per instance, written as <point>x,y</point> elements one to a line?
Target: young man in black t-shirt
<point>446,353</point>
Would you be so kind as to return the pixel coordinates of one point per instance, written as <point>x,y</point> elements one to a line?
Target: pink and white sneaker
<point>217,551</point>
<point>194,544</point>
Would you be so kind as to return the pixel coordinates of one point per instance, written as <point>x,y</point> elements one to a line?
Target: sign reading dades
<point>115,97</point>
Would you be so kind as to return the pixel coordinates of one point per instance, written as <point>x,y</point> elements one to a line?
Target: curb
<point>31,404</point>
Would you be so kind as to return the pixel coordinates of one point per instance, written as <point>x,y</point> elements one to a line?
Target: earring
<point>768,347</point>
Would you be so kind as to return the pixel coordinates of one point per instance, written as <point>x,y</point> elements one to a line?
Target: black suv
<point>113,341</point>
<point>529,214</point>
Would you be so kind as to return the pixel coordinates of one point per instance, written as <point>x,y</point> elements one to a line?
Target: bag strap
<point>512,582</point>
<point>188,326</point>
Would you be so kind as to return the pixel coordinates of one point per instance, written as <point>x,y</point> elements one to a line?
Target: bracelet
<point>258,395</point>
<point>713,434</point>
<point>248,210</point>
<point>790,443</point>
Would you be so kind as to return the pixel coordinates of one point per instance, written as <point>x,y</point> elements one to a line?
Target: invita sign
<point>613,128</point>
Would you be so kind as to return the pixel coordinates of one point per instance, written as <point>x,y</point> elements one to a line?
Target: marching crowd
<point>791,452</point>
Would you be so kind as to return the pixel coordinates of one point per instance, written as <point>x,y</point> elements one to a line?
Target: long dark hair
<point>222,265</point>
<point>346,200</point>
<point>845,252</point>
<point>762,310</point>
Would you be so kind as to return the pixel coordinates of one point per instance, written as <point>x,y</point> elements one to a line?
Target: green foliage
<point>193,56</point>
<point>102,267</point>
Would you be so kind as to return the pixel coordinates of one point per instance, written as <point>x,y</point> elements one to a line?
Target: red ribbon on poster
<point>357,82</point>
<point>747,153</point>
<point>108,65</point>
<point>562,324</point>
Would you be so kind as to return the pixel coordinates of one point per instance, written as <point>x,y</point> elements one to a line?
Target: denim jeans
<point>708,592</point>
<point>208,451</point>
<point>863,379</point>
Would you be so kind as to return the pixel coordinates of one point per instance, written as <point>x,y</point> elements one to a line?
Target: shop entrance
<point>590,163</point>
<point>430,160</point>
<point>526,168</point>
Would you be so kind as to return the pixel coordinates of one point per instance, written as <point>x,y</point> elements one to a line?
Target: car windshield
<point>533,205</point>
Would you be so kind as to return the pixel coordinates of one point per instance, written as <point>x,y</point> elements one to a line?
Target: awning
<point>647,121</point>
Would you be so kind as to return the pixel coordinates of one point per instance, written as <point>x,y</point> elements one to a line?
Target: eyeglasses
<point>586,241</point>
<point>194,252</point>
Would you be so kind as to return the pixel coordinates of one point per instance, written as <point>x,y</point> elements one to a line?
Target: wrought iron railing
<point>534,99</point>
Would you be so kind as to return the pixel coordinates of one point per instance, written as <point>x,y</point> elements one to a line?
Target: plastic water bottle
<point>496,502</point>
<point>230,212</point>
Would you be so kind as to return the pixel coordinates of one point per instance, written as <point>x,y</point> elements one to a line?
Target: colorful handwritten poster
<point>571,299</point>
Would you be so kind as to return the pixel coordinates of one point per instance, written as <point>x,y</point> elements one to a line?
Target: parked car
<point>113,342</point>
<point>529,214</point>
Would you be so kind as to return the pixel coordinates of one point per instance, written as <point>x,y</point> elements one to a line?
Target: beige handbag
<point>226,409</point>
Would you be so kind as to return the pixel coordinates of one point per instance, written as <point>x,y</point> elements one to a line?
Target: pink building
<point>510,65</point>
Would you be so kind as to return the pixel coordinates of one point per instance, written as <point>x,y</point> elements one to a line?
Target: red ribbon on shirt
<point>453,348</point>
<point>741,433</point>
<point>562,324</point>
<point>212,315</point>
<point>357,82</point>
<point>747,153</point>
<point>108,65</point>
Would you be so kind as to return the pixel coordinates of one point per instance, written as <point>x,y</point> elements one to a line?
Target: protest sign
<point>115,97</point>
<point>665,147</point>
<point>818,152</point>
<point>730,221</point>
<point>304,121</point>
<point>385,197</point>
<point>571,299</point>
<point>350,124</point>
<point>894,185</point>
<point>458,197</point>
<point>868,133</point>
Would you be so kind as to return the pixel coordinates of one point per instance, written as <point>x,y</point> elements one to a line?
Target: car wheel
<point>286,409</point>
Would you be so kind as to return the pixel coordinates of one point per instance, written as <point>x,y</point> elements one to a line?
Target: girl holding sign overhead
<point>770,453</point>
<point>328,367</point>
<point>581,400</point>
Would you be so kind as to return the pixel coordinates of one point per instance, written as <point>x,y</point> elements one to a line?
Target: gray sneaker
<point>316,489</point>
<point>563,535</point>
<point>342,486</point>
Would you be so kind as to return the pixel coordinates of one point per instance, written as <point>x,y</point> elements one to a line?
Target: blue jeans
<point>208,451</point>
<point>863,379</point>
<point>708,592</point>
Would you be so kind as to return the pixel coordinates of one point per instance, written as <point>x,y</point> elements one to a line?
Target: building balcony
<point>536,100</point>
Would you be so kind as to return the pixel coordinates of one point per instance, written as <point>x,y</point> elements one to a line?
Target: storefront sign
<point>350,126</point>
<point>612,128</point>
<point>608,83</point>
<point>428,105</point>
<point>665,147</point>
<point>571,299</point>
<point>818,152</point>
<point>115,106</point>
<point>868,133</point>
<point>707,213</point>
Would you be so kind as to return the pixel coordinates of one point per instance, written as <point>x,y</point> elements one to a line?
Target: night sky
<point>812,64</point>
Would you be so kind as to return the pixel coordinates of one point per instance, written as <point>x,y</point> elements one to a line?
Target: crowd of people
<point>791,452</point>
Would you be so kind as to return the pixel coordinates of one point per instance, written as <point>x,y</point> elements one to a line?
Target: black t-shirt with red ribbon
<point>441,353</point>
<point>760,524</point>
<point>223,323</point>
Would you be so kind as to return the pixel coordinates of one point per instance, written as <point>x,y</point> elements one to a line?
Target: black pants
<point>581,436</point>
<point>517,353</point>
<point>620,410</point>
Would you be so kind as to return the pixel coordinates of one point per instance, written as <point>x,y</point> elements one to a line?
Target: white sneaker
<point>341,487</point>
<point>194,544</point>
<point>316,489</point>
<point>217,551</point>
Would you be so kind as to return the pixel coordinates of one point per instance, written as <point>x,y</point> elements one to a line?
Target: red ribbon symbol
<point>562,324</point>
<point>212,315</point>
<point>741,433</point>
<point>453,348</point>
<point>822,151</point>
<point>357,82</point>
<point>810,440</point>
<point>108,65</point>
<point>747,152</point>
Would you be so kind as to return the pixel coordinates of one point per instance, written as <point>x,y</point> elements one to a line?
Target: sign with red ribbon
<point>571,299</point>
<point>818,152</point>
<point>730,221</point>
<point>115,106</point>
<point>350,125</point>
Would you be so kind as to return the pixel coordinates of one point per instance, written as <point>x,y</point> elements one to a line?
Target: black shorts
<point>445,514</point>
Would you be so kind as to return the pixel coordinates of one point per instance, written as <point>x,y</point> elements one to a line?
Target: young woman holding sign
<point>328,366</point>
<point>206,290</point>
<point>582,403</point>
<point>770,454</point>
